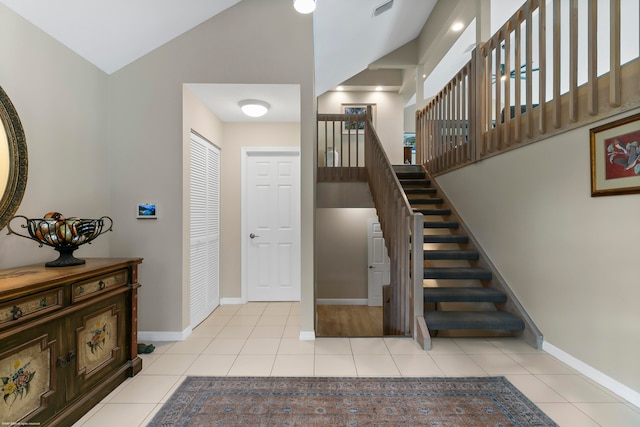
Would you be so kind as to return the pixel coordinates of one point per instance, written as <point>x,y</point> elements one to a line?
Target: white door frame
<point>245,152</point>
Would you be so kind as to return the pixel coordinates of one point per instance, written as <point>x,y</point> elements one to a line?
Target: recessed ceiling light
<point>378,88</point>
<point>340,88</point>
<point>304,6</point>
<point>457,26</point>
<point>254,107</point>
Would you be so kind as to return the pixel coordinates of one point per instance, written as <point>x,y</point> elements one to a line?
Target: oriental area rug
<point>329,402</point>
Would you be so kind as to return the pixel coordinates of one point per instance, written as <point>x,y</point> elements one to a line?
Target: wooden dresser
<point>68,337</point>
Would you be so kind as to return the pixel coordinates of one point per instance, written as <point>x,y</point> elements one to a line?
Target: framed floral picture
<point>615,157</point>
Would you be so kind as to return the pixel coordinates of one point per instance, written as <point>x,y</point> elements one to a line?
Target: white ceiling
<point>114,33</point>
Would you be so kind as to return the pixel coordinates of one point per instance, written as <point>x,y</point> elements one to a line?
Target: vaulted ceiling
<point>349,35</point>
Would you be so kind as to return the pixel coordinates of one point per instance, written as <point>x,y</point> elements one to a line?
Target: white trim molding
<point>307,335</point>
<point>156,336</point>
<point>601,378</point>
<point>232,301</point>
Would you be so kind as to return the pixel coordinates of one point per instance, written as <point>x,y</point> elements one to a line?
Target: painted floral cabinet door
<point>28,376</point>
<point>101,344</point>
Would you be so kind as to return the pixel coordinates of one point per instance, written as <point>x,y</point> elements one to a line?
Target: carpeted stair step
<point>412,191</point>
<point>451,255</point>
<point>415,182</point>
<point>437,212</point>
<point>441,224</point>
<point>455,273</point>
<point>426,201</point>
<point>463,295</point>
<point>477,320</point>
<point>446,238</point>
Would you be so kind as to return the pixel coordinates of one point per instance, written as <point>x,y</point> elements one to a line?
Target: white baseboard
<point>601,378</point>
<point>307,335</point>
<point>342,301</point>
<point>231,301</point>
<point>163,336</point>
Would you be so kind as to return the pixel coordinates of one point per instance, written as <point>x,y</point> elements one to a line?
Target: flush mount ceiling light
<point>304,6</point>
<point>254,107</point>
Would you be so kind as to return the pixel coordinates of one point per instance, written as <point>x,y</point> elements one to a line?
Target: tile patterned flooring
<point>257,339</point>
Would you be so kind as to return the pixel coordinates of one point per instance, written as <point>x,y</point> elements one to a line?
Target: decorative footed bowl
<point>65,235</point>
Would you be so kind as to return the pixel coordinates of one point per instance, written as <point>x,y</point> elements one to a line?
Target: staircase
<point>461,295</point>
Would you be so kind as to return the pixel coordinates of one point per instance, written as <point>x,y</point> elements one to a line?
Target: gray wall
<point>572,260</point>
<point>61,101</point>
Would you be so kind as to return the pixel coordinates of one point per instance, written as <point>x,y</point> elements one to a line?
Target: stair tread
<point>457,273</point>
<point>411,175</point>
<point>463,294</point>
<point>415,181</point>
<point>426,201</point>
<point>437,211</point>
<point>441,224</point>
<point>451,254</point>
<point>478,320</point>
<point>428,190</point>
<point>446,238</point>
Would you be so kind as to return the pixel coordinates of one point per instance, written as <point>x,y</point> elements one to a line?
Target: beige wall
<point>341,250</point>
<point>60,99</point>
<point>388,121</point>
<point>252,42</point>
<point>571,259</point>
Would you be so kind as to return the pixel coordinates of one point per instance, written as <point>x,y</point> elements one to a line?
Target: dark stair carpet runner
<point>423,199</point>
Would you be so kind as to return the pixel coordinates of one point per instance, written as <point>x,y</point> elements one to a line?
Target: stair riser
<point>456,274</point>
<point>441,224</point>
<point>446,238</point>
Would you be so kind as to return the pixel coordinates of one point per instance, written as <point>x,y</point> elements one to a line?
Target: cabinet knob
<point>101,285</point>
<point>16,312</point>
<point>64,361</point>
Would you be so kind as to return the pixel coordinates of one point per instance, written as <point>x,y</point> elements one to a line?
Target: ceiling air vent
<point>382,8</point>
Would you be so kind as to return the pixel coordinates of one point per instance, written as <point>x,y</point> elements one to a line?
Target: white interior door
<point>204,264</point>
<point>272,231</point>
<point>379,263</point>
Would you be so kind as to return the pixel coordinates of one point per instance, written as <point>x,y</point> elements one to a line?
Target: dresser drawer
<point>89,288</point>
<point>18,310</point>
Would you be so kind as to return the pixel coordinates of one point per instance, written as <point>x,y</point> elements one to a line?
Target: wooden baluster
<point>573,60</point>
<point>518,82</point>
<point>529,62</point>
<point>556,64</point>
<point>592,67</point>
<point>506,108</point>
<point>615,92</point>
<point>542,74</point>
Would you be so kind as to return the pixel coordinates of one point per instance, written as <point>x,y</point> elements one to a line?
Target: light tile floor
<point>262,339</point>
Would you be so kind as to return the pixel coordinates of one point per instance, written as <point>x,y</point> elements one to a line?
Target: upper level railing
<point>539,75</point>
<point>341,141</point>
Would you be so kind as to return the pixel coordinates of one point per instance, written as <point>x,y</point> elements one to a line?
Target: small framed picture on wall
<point>147,210</point>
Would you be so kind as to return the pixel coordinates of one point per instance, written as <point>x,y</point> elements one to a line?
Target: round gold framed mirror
<point>13,160</point>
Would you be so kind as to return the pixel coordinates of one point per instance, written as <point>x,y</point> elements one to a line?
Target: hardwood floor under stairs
<point>460,296</point>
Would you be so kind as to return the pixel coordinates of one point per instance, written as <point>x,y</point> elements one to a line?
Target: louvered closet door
<point>205,229</point>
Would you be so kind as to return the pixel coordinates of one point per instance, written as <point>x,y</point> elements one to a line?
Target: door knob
<point>253,236</point>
